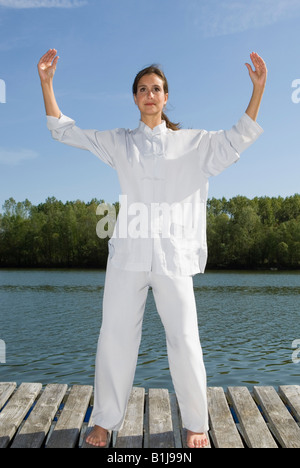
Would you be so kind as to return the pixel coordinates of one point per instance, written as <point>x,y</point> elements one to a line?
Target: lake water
<point>248,321</point>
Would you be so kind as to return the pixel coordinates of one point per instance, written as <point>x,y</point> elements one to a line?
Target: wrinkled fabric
<point>163,174</point>
<point>125,295</point>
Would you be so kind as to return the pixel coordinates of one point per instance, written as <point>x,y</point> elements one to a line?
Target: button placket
<point>158,185</point>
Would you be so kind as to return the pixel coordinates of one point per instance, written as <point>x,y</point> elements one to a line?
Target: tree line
<point>242,233</point>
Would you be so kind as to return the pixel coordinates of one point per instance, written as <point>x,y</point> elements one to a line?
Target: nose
<point>150,93</point>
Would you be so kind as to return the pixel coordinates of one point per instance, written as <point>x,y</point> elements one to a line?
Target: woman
<point>163,173</point>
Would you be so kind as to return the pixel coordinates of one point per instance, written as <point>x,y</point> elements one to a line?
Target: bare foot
<point>196,440</point>
<point>97,437</point>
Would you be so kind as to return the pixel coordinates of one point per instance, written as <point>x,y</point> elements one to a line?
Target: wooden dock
<point>58,416</point>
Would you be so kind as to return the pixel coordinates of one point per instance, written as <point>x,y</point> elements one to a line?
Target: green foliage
<point>259,233</point>
<point>241,233</point>
<point>51,234</point>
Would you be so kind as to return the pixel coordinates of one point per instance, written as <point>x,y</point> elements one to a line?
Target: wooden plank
<point>35,429</point>
<point>146,422</point>
<point>281,423</point>
<point>67,429</point>
<point>253,427</point>
<point>291,396</point>
<point>16,409</point>
<point>6,389</point>
<point>160,420</point>
<point>176,421</point>
<point>222,427</point>
<point>131,432</point>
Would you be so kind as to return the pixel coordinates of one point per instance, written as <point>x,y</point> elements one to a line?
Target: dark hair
<point>157,71</point>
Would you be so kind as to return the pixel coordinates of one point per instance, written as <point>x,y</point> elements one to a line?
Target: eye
<point>157,89</point>
<point>142,89</point>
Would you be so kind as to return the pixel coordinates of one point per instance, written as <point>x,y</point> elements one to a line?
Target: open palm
<point>259,74</point>
<point>47,65</point>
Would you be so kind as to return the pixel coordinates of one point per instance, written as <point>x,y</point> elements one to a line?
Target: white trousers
<point>124,299</point>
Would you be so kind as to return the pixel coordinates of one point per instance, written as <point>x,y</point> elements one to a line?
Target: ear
<point>134,97</point>
<point>166,98</point>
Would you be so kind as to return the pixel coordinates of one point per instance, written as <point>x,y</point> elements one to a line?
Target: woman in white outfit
<point>159,239</point>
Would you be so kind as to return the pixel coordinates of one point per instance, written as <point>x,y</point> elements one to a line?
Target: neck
<point>151,121</point>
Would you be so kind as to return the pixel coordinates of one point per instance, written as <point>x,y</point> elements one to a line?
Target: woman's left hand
<point>259,75</point>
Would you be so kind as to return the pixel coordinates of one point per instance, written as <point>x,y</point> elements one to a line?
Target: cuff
<point>252,124</point>
<point>53,122</point>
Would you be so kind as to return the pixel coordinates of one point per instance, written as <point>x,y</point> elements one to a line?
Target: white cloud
<point>21,4</point>
<point>14,157</point>
<point>219,18</point>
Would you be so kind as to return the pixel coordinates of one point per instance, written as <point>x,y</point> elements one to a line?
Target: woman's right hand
<point>47,65</point>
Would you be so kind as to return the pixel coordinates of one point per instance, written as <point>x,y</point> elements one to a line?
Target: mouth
<point>150,104</point>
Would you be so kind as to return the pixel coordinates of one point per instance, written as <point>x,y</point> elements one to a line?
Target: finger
<point>55,61</point>
<point>42,59</point>
<point>261,62</point>
<point>52,54</point>
<point>49,55</point>
<point>249,68</point>
<point>257,61</point>
<point>254,58</point>
<point>45,59</point>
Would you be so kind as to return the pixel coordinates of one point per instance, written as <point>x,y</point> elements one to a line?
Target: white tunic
<point>163,174</point>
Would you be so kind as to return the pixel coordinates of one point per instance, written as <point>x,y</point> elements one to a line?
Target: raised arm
<point>46,69</point>
<point>258,77</point>
<point>103,144</point>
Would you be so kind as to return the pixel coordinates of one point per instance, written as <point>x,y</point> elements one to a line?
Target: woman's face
<point>150,97</point>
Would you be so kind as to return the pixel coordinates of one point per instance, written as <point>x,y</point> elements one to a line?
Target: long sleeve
<point>224,147</point>
<point>103,144</point>
<point>163,177</point>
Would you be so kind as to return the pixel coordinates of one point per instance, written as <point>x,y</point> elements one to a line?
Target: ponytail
<point>169,124</point>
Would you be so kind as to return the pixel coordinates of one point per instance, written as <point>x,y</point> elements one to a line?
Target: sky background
<point>201,45</point>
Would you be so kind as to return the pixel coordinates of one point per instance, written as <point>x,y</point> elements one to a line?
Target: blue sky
<point>202,46</point>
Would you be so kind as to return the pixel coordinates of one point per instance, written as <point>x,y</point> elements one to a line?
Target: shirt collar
<point>162,128</point>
